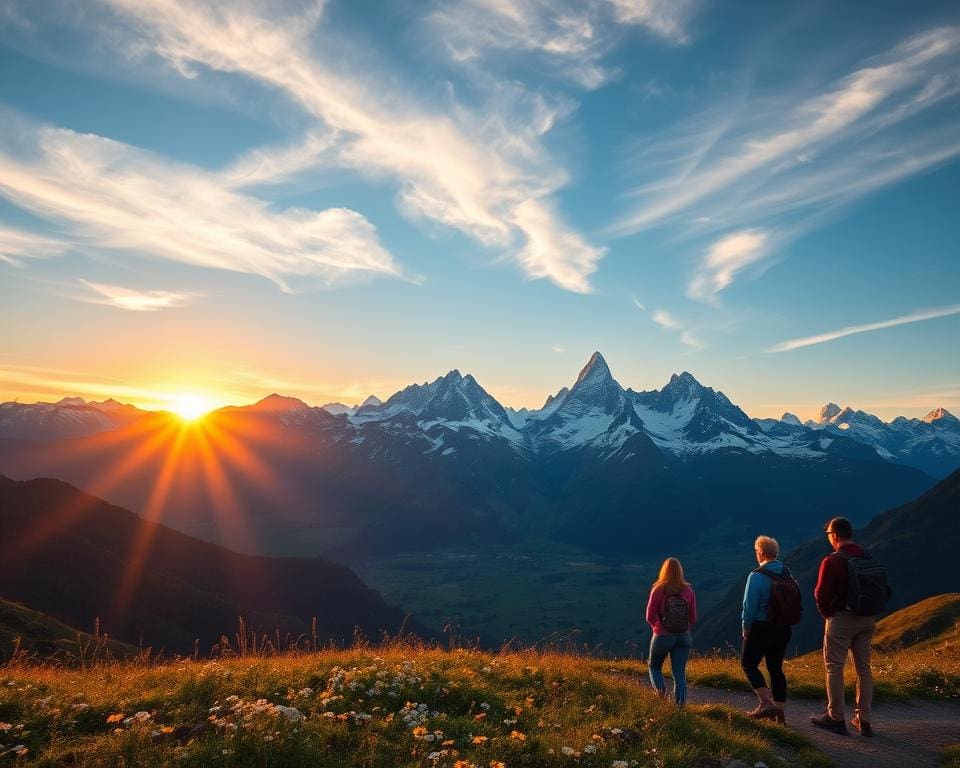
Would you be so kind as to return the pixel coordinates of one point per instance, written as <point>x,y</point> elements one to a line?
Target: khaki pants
<point>848,632</point>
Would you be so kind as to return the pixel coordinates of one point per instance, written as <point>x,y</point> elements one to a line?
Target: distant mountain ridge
<point>443,463</point>
<point>683,418</point>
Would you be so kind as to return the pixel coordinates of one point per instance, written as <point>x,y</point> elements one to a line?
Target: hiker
<point>671,612</point>
<point>851,590</point>
<point>771,604</point>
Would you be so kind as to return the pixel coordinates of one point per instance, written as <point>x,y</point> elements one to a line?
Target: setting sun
<point>190,407</point>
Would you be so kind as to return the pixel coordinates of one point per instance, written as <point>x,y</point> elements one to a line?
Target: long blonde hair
<point>671,576</point>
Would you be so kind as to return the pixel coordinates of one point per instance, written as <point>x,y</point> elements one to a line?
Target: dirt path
<point>907,734</point>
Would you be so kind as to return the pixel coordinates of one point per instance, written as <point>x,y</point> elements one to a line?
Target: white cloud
<point>764,156</point>
<point>665,320</point>
<point>558,350</point>
<point>573,35</point>
<point>915,317</point>
<point>638,305</point>
<point>111,195</point>
<point>137,300</point>
<point>725,258</point>
<point>670,323</point>
<point>18,244</point>
<point>485,173</point>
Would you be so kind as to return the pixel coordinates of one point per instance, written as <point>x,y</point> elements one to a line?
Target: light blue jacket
<point>756,596</point>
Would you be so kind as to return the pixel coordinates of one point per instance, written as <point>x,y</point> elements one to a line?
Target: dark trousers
<point>768,642</point>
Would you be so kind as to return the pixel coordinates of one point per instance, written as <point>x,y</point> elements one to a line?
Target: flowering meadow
<point>395,706</point>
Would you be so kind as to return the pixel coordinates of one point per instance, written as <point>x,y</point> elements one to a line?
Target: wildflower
<point>292,714</point>
<point>448,743</point>
<point>116,718</point>
<point>568,751</point>
<point>518,736</point>
<point>20,750</point>
<point>479,740</point>
<point>419,730</point>
<point>5,726</point>
<point>619,764</point>
<point>590,749</point>
<point>497,764</point>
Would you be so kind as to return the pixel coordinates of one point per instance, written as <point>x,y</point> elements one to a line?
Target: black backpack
<point>867,589</point>
<point>786,603</point>
<point>675,614</point>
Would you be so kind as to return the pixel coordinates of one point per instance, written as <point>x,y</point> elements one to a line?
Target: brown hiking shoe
<point>862,726</point>
<point>828,723</point>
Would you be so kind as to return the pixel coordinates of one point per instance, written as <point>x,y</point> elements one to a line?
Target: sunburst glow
<point>190,407</point>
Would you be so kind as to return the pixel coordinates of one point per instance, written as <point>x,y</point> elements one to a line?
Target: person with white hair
<point>771,604</point>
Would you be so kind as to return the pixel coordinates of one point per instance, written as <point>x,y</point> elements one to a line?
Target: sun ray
<point>143,539</point>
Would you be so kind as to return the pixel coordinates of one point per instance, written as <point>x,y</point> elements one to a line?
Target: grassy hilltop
<point>410,705</point>
<point>390,707</point>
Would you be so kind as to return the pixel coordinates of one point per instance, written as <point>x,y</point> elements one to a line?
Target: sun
<point>190,407</point>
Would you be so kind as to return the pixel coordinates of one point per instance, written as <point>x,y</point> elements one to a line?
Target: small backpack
<point>867,590</point>
<point>675,614</point>
<point>786,604</point>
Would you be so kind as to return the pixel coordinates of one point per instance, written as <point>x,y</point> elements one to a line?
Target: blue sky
<point>333,199</point>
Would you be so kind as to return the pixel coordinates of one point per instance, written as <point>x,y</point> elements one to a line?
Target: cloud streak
<point>670,323</point>
<point>137,300</point>
<point>484,173</point>
<point>111,195</point>
<point>764,158</point>
<point>18,244</point>
<point>915,317</point>
<point>726,257</point>
<point>574,36</point>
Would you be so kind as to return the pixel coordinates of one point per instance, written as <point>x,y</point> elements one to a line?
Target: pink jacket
<point>656,602</point>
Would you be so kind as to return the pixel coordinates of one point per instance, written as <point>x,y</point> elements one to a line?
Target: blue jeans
<point>678,646</point>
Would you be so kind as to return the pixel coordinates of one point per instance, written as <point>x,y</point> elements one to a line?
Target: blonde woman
<point>671,613</point>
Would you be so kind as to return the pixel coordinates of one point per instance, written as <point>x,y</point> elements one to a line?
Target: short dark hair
<point>840,526</point>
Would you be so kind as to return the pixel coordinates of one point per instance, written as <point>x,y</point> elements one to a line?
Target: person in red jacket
<point>844,631</point>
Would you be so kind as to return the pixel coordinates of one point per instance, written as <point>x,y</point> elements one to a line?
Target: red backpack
<point>786,604</point>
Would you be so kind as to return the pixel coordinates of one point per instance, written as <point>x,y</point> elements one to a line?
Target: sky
<point>336,199</point>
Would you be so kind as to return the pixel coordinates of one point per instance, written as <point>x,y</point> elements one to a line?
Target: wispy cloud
<point>482,172</point>
<point>558,350</point>
<point>915,317</point>
<point>137,300</point>
<point>765,156</point>
<point>111,195</point>
<point>18,244</point>
<point>573,35</point>
<point>724,259</point>
<point>665,320</point>
<point>637,303</point>
<point>668,322</point>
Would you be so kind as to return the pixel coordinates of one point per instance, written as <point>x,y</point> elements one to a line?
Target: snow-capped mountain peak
<point>828,412</point>
<point>596,369</point>
<point>337,409</point>
<point>792,419</point>
<point>941,417</point>
<point>371,400</point>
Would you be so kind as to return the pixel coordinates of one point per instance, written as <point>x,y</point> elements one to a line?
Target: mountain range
<point>444,463</point>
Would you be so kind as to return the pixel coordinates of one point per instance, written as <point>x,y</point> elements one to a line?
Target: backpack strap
<point>772,575</point>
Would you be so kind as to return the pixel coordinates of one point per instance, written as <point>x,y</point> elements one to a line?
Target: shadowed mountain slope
<point>77,558</point>
<point>917,542</point>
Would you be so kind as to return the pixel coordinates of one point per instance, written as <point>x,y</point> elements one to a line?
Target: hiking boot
<point>864,727</point>
<point>763,713</point>
<point>829,724</point>
<point>781,718</point>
